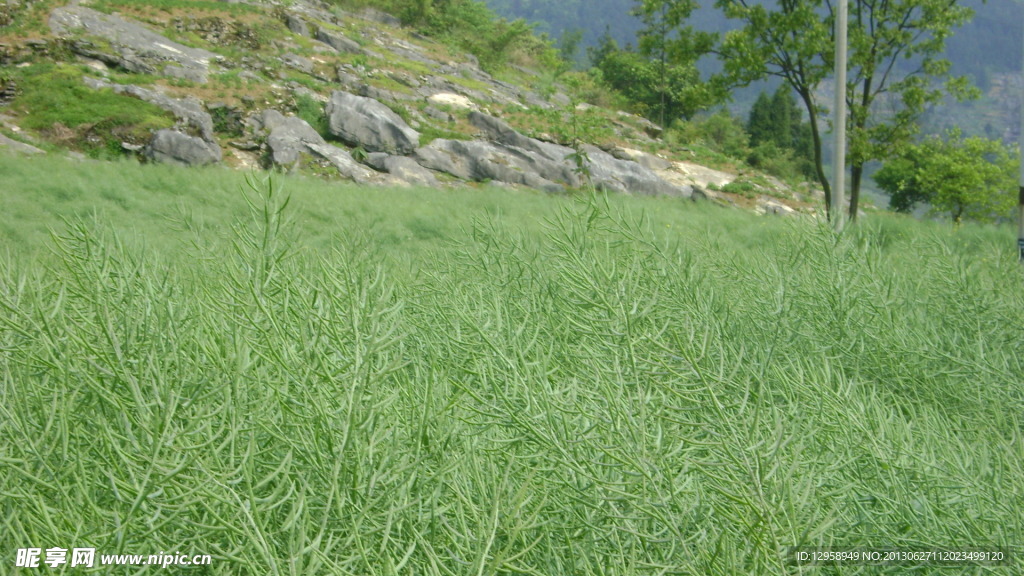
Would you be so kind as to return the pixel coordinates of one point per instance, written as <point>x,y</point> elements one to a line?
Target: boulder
<point>346,165</point>
<point>610,173</point>
<point>360,121</point>
<point>135,47</point>
<point>338,42</point>
<point>296,24</point>
<point>555,161</point>
<point>403,168</point>
<point>288,137</point>
<point>173,147</point>
<point>481,161</point>
<point>774,207</point>
<point>300,63</point>
<point>188,110</point>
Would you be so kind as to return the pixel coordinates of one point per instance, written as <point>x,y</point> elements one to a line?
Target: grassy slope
<point>491,382</point>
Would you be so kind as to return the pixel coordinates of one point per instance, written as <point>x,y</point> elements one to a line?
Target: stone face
<point>481,161</point>
<point>136,48</point>
<point>554,163</point>
<point>346,165</point>
<point>18,146</point>
<point>288,137</point>
<point>339,42</point>
<point>360,121</point>
<point>187,110</point>
<point>408,170</point>
<point>296,24</point>
<point>173,147</point>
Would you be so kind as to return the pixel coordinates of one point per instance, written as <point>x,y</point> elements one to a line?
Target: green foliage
<point>471,26</point>
<point>641,383</point>
<point>659,93</point>
<point>781,140</point>
<point>671,44</point>
<point>192,6</point>
<point>885,95</point>
<point>53,101</point>
<point>312,111</point>
<point>720,131</point>
<point>966,177</point>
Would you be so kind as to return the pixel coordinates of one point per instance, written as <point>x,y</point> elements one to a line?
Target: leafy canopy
<point>965,177</point>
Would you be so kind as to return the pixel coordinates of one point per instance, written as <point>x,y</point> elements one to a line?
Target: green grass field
<point>489,381</point>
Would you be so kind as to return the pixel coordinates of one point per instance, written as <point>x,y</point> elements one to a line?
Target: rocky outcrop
<point>482,161</point>
<point>554,163</point>
<point>338,42</point>
<point>404,168</point>
<point>10,144</point>
<point>364,122</point>
<point>134,47</point>
<point>287,137</point>
<point>371,110</point>
<point>346,165</point>
<point>173,147</point>
<point>187,110</point>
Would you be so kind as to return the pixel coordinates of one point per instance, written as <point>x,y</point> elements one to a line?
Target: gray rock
<point>610,173</point>
<point>338,42</point>
<point>136,47</point>
<point>18,146</point>
<point>173,147</point>
<point>481,161</point>
<point>196,75</point>
<point>288,137</point>
<point>189,110</point>
<point>644,159</point>
<point>553,162</point>
<point>300,63</point>
<point>403,168</point>
<point>360,121</point>
<point>499,131</point>
<point>377,161</point>
<point>439,115</point>
<point>345,164</point>
<point>296,24</point>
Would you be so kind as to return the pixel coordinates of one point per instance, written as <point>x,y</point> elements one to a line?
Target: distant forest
<point>991,44</point>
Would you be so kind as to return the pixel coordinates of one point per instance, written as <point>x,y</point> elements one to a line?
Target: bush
<point>721,131</point>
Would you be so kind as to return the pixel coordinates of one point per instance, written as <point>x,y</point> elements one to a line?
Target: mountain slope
<point>308,86</point>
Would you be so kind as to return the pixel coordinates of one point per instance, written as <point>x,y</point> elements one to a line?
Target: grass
<point>54,101</point>
<point>523,385</point>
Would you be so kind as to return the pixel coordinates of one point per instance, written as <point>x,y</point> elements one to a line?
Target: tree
<point>894,48</point>
<point>968,178</point>
<point>776,125</point>
<point>675,91</point>
<point>666,41</point>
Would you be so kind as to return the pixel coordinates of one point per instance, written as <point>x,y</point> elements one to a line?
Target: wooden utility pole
<point>839,162</point>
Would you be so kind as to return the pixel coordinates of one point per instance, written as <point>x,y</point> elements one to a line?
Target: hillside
<point>345,94</point>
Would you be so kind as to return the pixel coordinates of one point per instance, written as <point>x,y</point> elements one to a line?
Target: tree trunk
<point>856,173</point>
<point>819,169</point>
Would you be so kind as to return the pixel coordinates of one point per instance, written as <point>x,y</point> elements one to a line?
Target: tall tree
<point>894,59</point>
<point>669,42</point>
